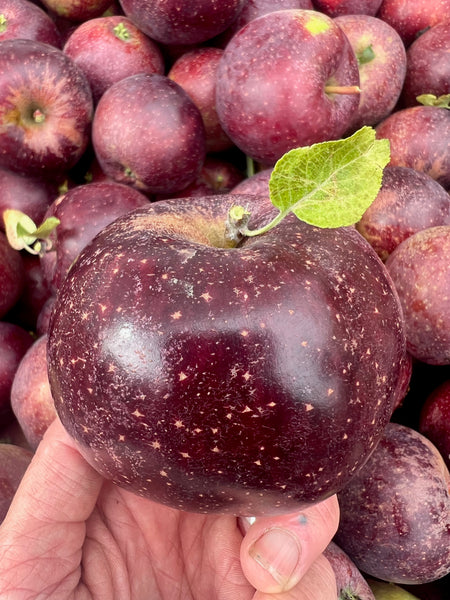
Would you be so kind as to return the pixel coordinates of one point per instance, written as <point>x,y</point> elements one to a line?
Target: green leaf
<point>22,233</point>
<point>330,184</point>
<point>432,100</point>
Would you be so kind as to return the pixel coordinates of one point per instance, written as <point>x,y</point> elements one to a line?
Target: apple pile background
<point>119,79</point>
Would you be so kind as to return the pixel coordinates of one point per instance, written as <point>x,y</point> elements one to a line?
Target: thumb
<point>276,552</point>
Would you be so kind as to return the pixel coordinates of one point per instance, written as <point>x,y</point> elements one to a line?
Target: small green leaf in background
<point>332,183</point>
<point>22,233</point>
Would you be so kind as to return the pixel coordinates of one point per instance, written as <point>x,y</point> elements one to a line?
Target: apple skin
<point>12,275</point>
<point>410,19</point>
<point>419,270</point>
<point>214,378</point>
<point>408,201</point>
<point>350,583</point>
<point>434,420</point>
<point>395,513</point>
<point>45,109</point>
<point>258,183</point>
<point>93,42</point>
<point>428,65</point>
<point>270,92</point>
<point>14,461</point>
<point>31,398</point>
<point>173,22</point>
<point>77,10</point>
<point>26,20</point>
<point>143,126</point>
<point>381,78</point>
<point>337,8</point>
<point>426,151</point>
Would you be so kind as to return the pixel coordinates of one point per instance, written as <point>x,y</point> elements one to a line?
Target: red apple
<point>419,138</point>
<point>143,127</point>
<point>408,201</point>
<point>410,19</point>
<point>77,10</point>
<point>45,109</point>
<point>435,419</point>
<point>196,72</point>
<point>14,461</point>
<point>174,22</point>
<point>31,399</point>
<point>419,268</point>
<point>382,66</point>
<point>12,275</point>
<point>26,20</point>
<point>277,83</point>
<point>336,8</point>
<point>198,372</point>
<point>350,582</point>
<point>92,44</point>
<point>428,65</point>
<point>258,183</point>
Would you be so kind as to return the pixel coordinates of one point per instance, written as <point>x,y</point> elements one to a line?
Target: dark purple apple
<point>419,268</point>
<point>213,377</point>
<point>14,342</point>
<point>31,398</point>
<point>27,194</point>
<point>196,72</point>
<point>82,212</point>
<point>148,133</point>
<point>109,49</point>
<point>435,419</point>
<point>419,137</point>
<point>25,20</point>
<point>428,65</point>
<point>395,513</point>
<point>382,66</point>
<point>410,19</point>
<point>12,275</point>
<point>43,319</point>
<point>77,10</point>
<point>174,22</point>
<point>408,201</point>
<point>14,461</point>
<point>279,83</point>
<point>45,109</point>
<point>350,582</point>
<point>337,8</point>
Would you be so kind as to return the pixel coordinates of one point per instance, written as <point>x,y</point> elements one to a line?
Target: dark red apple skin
<point>77,10</point>
<point>143,126</point>
<point>39,77</point>
<point>245,380</point>
<point>12,275</point>
<point>337,8</point>
<point>172,22</point>
<point>270,92</point>
<point>410,19</point>
<point>31,398</point>
<point>419,138</point>
<point>14,461</point>
<point>92,44</point>
<point>14,342</point>
<point>196,72</point>
<point>258,184</point>
<point>434,420</point>
<point>419,268</point>
<point>381,78</point>
<point>395,513</point>
<point>428,65</point>
<point>26,20</point>
<point>83,211</point>
<point>408,201</point>
<point>350,582</point>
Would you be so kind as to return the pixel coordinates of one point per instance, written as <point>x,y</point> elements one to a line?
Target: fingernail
<point>278,552</point>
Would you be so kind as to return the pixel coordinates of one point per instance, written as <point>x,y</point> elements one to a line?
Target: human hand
<point>69,534</point>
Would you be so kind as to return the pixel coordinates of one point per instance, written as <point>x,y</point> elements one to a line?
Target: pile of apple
<point>212,333</point>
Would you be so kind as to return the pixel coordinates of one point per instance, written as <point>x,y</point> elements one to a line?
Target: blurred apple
<point>12,275</point>
<point>77,10</point>
<point>26,20</point>
<point>336,8</point>
<point>435,419</point>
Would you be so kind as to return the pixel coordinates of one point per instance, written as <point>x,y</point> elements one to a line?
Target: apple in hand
<point>419,267</point>
<point>14,461</point>
<point>435,419</point>
<point>26,20</point>
<point>382,66</point>
<point>45,109</point>
<point>395,513</point>
<point>350,582</point>
<point>148,133</point>
<point>287,79</point>
<point>92,44</point>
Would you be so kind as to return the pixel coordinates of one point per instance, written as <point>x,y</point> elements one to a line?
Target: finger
<point>318,583</point>
<point>276,552</point>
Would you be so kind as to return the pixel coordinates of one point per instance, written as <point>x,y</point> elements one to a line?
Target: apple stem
<point>38,116</point>
<point>121,32</point>
<point>342,89</point>
<point>237,224</point>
